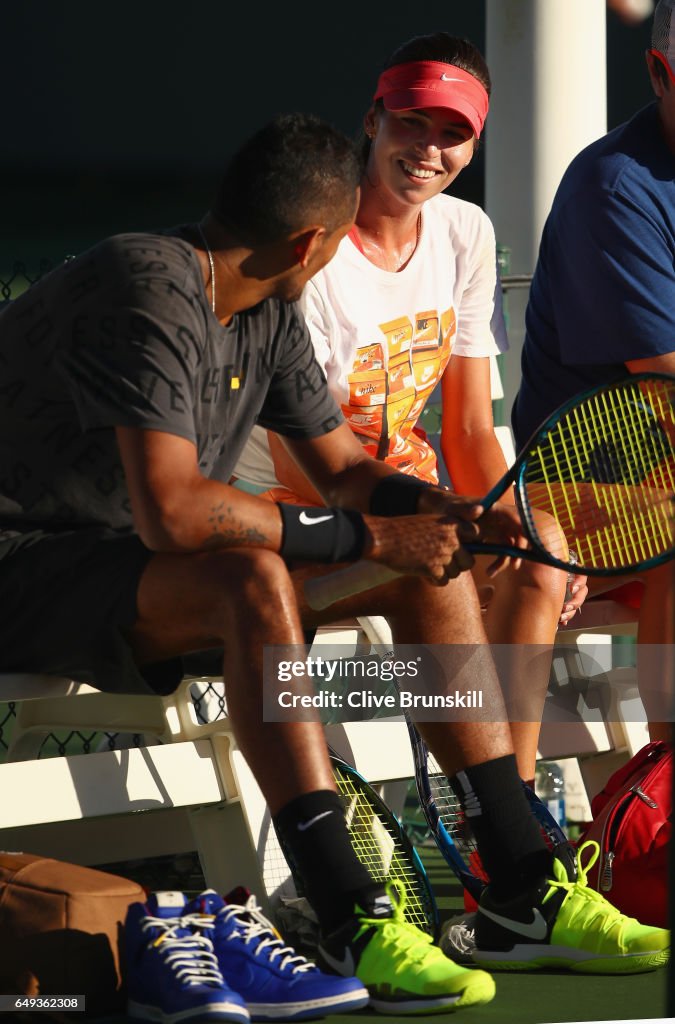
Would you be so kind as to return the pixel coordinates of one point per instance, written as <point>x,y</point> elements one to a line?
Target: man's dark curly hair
<point>295,172</point>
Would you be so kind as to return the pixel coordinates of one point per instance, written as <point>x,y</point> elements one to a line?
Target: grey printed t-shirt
<point>124,336</point>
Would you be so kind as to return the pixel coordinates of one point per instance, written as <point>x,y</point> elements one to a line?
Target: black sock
<point>313,834</point>
<point>508,837</point>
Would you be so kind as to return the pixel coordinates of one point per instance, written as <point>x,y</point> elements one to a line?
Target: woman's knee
<point>545,579</point>
<point>661,578</point>
<point>550,581</point>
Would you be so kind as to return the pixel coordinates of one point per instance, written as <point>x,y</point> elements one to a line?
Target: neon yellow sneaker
<point>398,963</point>
<point>564,923</point>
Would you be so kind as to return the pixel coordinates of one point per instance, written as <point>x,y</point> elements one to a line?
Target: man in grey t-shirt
<point>130,379</point>
<point>125,336</point>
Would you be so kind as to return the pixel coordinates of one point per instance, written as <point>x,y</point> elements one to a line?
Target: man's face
<point>665,92</point>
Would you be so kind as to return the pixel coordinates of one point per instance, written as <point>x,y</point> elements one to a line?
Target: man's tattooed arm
<point>175,508</point>
<point>230,531</point>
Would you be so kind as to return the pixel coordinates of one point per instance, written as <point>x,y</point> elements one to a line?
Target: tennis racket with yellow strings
<point>379,841</point>
<point>602,467</point>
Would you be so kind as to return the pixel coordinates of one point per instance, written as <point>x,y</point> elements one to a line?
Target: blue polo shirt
<point>604,285</point>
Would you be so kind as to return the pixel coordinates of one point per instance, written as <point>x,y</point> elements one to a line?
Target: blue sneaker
<point>276,982</point>
<point>172,971</point>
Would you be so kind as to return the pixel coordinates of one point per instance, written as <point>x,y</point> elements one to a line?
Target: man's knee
<point>414,597</point>
<point>216,586</point>
<point>201,600</point>
<point>252,574</point>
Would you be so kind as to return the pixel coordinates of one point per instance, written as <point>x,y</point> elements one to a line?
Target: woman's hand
<point>575,595</point>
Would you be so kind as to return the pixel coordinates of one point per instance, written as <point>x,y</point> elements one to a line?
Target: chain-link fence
<point>208,700</point>
<point>19,278</point>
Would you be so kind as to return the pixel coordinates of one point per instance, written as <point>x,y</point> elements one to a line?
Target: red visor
<point>431,83</point>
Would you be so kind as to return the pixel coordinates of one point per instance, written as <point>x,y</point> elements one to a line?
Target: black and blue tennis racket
<point>449,826</point>
<point>603,469</point>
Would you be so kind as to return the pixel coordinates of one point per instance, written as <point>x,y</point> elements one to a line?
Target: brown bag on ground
<point>60,929</point>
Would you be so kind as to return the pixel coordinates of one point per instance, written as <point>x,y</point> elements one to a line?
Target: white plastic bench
<point>189,788</point>
<point>189,781</point>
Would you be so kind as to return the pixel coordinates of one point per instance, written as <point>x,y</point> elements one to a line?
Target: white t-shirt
<point>384,339</point>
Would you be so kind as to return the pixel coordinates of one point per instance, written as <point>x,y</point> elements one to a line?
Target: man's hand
<point>500,524</point>
<point>423,545</point>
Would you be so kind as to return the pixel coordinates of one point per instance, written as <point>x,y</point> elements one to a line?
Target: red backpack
<point>632,825</point>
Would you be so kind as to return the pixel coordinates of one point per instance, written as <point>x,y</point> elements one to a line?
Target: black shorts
<point>65,601</point>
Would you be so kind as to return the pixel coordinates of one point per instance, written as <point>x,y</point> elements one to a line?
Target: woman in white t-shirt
<point>407,302</point>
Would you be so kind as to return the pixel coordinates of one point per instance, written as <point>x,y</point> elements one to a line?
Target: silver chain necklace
<point>212,266</point>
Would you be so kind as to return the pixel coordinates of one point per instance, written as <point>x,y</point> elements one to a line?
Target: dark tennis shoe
<point>566,924</point>
<point>458,940</point>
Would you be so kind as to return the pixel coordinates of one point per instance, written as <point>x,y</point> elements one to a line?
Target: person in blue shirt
<point>602,302</point>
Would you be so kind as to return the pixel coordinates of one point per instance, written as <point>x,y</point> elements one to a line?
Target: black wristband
<point>397,495</point>
<point>311,534</point>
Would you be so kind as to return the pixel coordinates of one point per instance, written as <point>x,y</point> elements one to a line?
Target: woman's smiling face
<point>418,153</point>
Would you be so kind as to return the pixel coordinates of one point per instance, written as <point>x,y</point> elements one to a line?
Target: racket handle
<point>324,591</point>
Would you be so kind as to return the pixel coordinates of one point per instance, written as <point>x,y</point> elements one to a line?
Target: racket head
<point>451,829</point>
<point>379,841</point>
<point>381,844</point>
<point>442,812</point>
<point>603,468</point>
<point>551,831</point>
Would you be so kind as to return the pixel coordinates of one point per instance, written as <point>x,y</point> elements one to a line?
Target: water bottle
<point>550,785</point>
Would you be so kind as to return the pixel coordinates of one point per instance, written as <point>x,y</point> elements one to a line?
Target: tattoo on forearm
<point>230,532</point>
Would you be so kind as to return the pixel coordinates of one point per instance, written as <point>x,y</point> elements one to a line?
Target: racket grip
<point>324,591</point>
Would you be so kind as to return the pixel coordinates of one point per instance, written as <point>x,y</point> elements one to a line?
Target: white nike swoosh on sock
<point>304,825</point>
<point>535,929</point>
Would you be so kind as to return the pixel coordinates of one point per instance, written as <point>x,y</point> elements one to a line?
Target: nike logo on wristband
<point>535,929</point>
<point>304,825</point>
<point>306,521</point>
